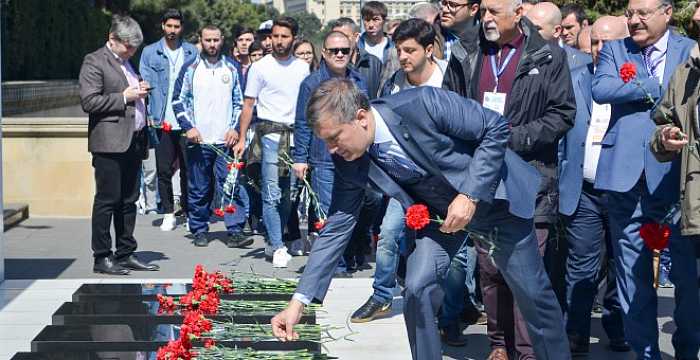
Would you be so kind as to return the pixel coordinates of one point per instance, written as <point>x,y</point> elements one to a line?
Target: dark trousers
<point>359,244</point>
<point>506,327</point>
<point>116,193</point>
<point>171,151</point>
<point>588,233</point>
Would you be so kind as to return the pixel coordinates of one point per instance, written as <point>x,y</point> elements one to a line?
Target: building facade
<point>327,10</point>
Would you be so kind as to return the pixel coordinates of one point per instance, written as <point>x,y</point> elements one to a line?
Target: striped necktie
<point>394,162</point>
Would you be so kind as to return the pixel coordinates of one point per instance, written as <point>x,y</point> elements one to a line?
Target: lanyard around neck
<point>497,72</point>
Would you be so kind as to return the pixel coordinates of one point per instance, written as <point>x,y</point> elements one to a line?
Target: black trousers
<point>116,192</point>
<point>170,152</point>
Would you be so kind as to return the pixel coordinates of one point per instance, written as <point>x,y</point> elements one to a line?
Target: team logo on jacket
<point>225,78</point>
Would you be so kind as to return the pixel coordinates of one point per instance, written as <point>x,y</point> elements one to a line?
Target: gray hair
<point>336,99</point>
<point>423,9</point>
<point>343,22</point>
<point>126,29</point>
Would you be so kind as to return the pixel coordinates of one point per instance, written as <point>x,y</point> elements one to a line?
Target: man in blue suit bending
<point>430,146</point>
<point>639,188</point>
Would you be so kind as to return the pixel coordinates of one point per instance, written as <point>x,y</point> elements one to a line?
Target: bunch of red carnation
<point>202,300</point>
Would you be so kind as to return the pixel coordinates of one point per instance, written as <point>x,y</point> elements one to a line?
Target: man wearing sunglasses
<point>639,188</point>
<point>310,152</point>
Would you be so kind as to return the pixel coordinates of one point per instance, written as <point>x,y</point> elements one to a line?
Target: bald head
<point>547,18</point>
<point>605,29</point>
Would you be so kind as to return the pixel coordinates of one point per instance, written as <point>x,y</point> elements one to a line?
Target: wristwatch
<point>471,198</point>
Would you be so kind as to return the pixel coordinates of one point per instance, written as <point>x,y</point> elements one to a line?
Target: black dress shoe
<point>578,345</point>
<point>107,265</point>
<point>200,240</point>
<point>371,310</point>
<point>342,275</point>
<point>133,263</point>
<point>619,345</point>
<point>452,335</point>
<point>238,241</point>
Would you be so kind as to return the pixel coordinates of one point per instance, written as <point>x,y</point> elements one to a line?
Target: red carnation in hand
<point>167,127</point>
<point>628,71</point>
<point>655,236</point>
<point>219,212</point>
<point>417,217</point>
<point>230,166</point>
<point>319,225</point>
<point>240,165</point>
<point>230,209</point>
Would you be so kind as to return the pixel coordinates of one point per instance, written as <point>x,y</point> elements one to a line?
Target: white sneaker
<point>280,258</point>
<point>169,222</point>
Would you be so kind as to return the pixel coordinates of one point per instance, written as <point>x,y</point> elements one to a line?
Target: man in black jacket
<point>509,68</point>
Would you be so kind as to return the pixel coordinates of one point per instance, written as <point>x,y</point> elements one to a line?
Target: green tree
<point>309,26</point>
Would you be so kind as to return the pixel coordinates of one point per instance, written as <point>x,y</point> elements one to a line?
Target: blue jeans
<point>275,193</point>
<point>628,211</point>
<point>201,163</point>
<point>322,176</point>
<point>460,276</point>
<point>387,258</point>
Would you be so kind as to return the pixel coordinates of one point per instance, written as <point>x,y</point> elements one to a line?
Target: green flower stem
<point>223,353</point>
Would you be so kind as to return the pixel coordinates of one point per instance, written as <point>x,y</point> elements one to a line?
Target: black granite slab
<point>123,337</point>
<point>140,292</point>
<point>145,313</point>
<point>102,355</point>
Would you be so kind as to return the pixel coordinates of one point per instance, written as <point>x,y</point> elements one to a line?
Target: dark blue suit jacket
<point>572,146</point>
<point>447,136</point>
<point>625,152</point>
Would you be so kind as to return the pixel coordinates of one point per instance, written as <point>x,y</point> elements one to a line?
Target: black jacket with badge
<point>540,107</point>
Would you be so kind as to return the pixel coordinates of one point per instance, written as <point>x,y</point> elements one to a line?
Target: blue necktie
<point>394,162</point>
<point>651,65</point>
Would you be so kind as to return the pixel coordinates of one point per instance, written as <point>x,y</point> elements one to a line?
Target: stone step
<point>13,214</point>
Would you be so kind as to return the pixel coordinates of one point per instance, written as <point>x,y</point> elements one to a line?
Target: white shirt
<point>435,79</point>
<point>176,58</point>
<point>133,79</point>
<point>212,85</point>
<point>275,84</point>
<point>377,49</point>
<point>659,54</point>
<point>600,119</point>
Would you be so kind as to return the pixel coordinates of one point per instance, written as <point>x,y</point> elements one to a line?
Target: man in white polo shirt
<point>274,83</point>
<point>207,104</point>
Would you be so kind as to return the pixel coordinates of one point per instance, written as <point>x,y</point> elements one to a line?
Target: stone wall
<point>46,165</point>
<point>19,97</point>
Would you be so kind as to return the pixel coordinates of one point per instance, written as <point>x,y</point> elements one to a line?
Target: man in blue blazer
<point>430,146</point>
<point>583,207</point>
<point>639,188</point>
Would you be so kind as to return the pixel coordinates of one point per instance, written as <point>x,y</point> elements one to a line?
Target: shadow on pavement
<point>35,268</point>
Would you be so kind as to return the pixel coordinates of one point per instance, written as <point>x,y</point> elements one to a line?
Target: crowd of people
<point>510,120</point>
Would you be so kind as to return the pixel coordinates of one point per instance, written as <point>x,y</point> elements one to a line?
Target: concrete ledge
<point>45,127</point>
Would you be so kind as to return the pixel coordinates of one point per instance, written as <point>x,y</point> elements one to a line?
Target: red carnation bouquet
<point>313,197</point>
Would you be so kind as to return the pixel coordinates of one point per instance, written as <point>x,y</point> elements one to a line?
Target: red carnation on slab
<point>628,71</point>
<point>166,304</point>
<point>167,127</point>
<point>417,217</point>
<point>208,343</point>
<point>655,235</point>
<point>219,212</point>
<point>230,209</point>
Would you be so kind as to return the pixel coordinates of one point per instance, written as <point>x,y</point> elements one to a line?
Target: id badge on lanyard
<point>494,100</point>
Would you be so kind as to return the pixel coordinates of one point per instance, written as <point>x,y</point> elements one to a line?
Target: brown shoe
<point>498,354</point>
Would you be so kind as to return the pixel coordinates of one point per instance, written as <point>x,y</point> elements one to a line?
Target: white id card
<point>495,101</point>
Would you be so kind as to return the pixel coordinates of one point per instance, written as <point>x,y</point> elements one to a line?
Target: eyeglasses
<point>643,14</point>
<point>335,51</point>
<point>453,6</point>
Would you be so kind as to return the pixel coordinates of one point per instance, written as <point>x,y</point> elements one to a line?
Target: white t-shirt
<point>378,49</point>
<point>212,86</point>
<point>176,58</point>
<point>435,79</point>
<point>600,119</point>
<point>275,84</point>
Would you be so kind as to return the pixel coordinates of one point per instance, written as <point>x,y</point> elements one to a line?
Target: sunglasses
<point>335,51</point>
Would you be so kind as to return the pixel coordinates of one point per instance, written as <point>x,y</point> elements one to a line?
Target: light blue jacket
<point>625,153</point>
<point>154,67</point>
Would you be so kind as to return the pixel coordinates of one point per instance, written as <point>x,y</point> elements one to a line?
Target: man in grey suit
<point>113,96</point>
<point>462,170</point>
